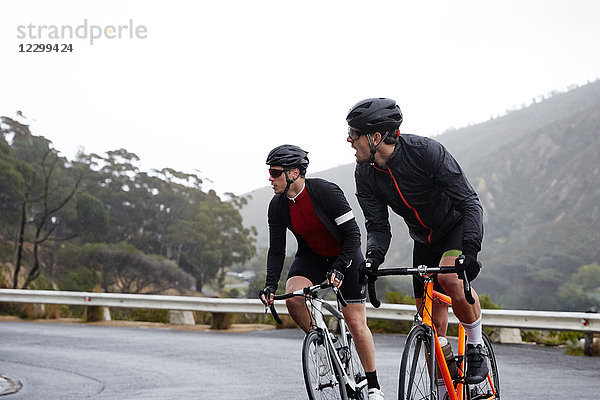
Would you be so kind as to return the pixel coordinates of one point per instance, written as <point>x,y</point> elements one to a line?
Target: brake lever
<point>339,296</point>
<point>466,283</point>
<point>371,289</point>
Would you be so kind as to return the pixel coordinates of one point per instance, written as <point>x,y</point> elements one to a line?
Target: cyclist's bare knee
<point>356,317</point>
<point>296,305</point>
<point>452,285</point>
<point>464,311</point>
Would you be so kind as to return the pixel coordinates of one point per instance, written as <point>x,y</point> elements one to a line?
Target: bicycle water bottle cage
<point>344,354</point>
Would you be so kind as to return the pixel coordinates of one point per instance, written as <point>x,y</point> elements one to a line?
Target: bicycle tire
<point>323,378</point>
<point>414,381</point>
<point>355,369</point>
<point>484,390</point>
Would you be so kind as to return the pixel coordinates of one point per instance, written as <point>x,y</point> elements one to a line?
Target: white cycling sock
<point>473,332</point>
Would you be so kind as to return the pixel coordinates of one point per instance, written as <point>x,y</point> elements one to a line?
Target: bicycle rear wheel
<point>415,379</point>
<point>490,387</point>
<point>355,370</point>
<point>322,376</point>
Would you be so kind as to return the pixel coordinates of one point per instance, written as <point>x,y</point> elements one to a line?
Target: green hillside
<point>537,171</point>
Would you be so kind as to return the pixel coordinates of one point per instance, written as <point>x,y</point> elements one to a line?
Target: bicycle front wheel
<point>322,376</point>
<point>490,387</point>
<point>415,380</point>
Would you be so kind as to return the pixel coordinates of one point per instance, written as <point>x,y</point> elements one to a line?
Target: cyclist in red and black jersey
<point>318,214</point>
<point>421,182</point>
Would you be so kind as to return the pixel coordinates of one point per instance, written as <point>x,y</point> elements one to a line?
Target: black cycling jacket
<point>423,184</point>
<point>333,211</point>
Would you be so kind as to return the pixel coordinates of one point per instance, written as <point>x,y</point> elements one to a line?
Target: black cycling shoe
<point>477,364</point>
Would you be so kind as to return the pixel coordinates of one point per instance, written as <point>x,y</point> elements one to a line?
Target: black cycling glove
<point>337,274</point>
<point>469,264</point>
<point>267,291</point>
<point>367,270</point>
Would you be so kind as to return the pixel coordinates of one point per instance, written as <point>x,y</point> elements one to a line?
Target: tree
<point>213,239</point>
<point>121,268</point>
<point>51,200</point>
<point>25,146</point>
<point>112,179</point>
<point>582,291</point>
<point>588,277</point>
<point>166,212</point>
<point>44,196</point>
<point>11,185</point>
<point>174,196</point>
<point>142,206</point>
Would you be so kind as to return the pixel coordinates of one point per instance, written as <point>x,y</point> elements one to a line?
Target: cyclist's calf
<point>297,309</point>
<point>356,319</point>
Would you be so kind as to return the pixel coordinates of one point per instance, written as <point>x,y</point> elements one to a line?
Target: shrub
<point>140,314</point>
<point>6,252</point>
<point>83,279</point>
<point>552,338</point>
<point>390,326</point>
<point>486,302</point>
<point>148,315</point>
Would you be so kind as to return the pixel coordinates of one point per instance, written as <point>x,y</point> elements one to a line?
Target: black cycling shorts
<point>431,254</point>
<point>314,268</point>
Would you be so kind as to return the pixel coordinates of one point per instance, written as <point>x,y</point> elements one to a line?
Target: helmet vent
<point>376,114</point>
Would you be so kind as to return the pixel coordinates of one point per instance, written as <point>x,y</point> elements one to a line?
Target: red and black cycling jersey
<point>333,212</point>
<point>309,227</point>
<point>423,184</point>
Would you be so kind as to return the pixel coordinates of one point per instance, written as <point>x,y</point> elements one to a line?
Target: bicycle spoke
<point>320,374</point>
<point>414,380</point>
<point>413,368</point>
<point>356,371</point>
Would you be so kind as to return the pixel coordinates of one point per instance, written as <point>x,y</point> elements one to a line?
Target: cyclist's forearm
<point>377,245</point>
<point>275,261</point>
<point>350,245</point>
<point>473,227</point>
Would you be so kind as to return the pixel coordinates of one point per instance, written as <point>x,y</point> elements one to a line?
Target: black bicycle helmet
<point>375,115</point>
<point>289,156</point>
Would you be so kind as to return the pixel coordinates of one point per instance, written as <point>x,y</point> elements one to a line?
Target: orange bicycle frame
<point>430,294</point>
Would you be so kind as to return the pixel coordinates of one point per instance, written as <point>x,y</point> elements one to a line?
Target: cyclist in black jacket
<point>420,181</point>
<point>318,214</point>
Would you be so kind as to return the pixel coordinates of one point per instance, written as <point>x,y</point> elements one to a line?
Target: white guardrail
<point>551,320</point>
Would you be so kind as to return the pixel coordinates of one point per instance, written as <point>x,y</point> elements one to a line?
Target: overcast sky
<point>213,86</point>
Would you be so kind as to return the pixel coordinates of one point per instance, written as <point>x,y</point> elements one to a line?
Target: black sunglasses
<point>353,133</point>
<point>275,173</point>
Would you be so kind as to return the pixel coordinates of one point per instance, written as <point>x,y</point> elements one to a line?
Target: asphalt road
<point>62,361</point>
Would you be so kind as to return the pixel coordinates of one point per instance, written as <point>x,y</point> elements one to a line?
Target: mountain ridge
<point>537,173</point>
